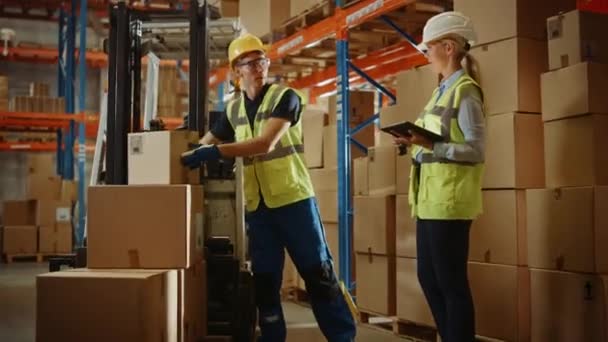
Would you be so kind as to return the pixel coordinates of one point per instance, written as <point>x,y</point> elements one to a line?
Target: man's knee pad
<point>321,281</point>
<point>267,292</point>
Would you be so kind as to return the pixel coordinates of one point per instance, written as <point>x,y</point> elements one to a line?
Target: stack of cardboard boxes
<point>43,222</point>
<point>38,100</point>
<point>173,93</point>
<point>3,93</point>
<point>145,255</point>
<point>568,221</point>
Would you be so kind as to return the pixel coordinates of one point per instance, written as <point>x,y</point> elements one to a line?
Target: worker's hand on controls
<point>195,157</point>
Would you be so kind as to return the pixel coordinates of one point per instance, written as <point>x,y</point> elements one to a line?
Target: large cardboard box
<point>330,146</point>
<point>41,163</point>
<point>155,158</point>
<point>260,17</point>
<point>414,89</point>
<point>411,303</point>
<point>403,165</point>
<point>582,95</point>
<point>152,226</point>
<point>501,19</point>
<point>501,295</point>
<point>381,173</point>
<point>43,187</point>
<point>376,283</point>
<point>229,8</point>
<point>361,176</point>
<point>313,122</point>
<point>514,152</point>
<point>328,205</point>
<point>20,240</point>
<point>300,6</point>
<point>574,153</point>
<point>361,107</point>
<point>568,306</point>
<point>392,114</point>
<point>405,228</point>
<point>172,303</point>
<point>510,74</point>
<point>55,238</point>
<point>498,235</point>
<point>374,224</point>
<point>325,179</point>
<point>568,229</point>
<point>576,37</point>
<point>19,213</point>
<point>52,211</point>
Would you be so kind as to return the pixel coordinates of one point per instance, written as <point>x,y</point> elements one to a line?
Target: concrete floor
<point>18,305</point>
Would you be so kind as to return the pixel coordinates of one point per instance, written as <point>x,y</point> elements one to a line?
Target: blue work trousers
<point>296,227</point>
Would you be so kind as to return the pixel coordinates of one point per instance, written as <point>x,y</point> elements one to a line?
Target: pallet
<point>414,332</point>
<point>305,19</point>
<point>33,257</point>
<point>375,320</point>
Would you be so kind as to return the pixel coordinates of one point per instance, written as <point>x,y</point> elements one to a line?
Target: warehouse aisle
<point>18,310</point>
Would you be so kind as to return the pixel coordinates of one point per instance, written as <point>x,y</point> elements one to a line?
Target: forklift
<point>171,34</point>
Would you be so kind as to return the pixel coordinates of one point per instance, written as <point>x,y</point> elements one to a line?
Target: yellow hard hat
<point>242,45</point>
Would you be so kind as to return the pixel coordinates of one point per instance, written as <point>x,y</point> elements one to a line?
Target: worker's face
<point>439,54</point>
<point>252,69</point>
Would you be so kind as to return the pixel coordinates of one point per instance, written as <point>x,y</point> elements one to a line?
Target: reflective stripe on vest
<point>443,188</point>
<point>281,174</point>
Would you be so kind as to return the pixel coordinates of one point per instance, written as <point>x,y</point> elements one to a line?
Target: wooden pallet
<point>414,332</point>
<point>305,19</point>
<point>33,257</point>
<point>375,320</point>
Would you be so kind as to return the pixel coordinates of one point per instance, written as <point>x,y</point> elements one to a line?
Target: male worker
<point>282,212</point>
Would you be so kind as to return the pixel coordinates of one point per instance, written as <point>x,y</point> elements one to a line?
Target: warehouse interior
<point>106,234</point>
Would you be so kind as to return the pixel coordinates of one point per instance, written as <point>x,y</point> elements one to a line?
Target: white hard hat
<point>448,23</point>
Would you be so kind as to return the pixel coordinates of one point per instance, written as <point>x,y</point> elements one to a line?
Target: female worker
<point>445,183</point>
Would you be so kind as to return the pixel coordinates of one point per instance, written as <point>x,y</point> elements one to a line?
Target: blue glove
<point>194,158</point>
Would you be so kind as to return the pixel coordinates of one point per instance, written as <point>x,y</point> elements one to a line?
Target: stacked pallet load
<point>38,100</point>
<point>568,220</point>
<point>145,256</point>
<point>40,225</point>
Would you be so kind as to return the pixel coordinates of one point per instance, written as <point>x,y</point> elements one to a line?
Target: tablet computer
<point>402,130</point>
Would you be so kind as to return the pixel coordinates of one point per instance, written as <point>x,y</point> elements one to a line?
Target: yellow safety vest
<point>280,175</point>
<point>442,188</point>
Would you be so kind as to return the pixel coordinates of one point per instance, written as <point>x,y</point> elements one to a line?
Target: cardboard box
<point>579,161</point>
<point>501,295</point>
<point>171,302</point>
<point>568,229</point>
<point>393,114</point>
<point>324,179</point>
<point>362,107</point>
<point>313,122</point>
<point>383,139</point>
<point>568,306</point>
<point>332,238</point>
<point>403,166</point>
<point>405,228</point>
<point>39,89</point>
<point>414,89</point>
<point>374,224</point>
<point>41,163</point>
<point>514,152</point>
<point>228,8</point>
<point>382,168</point>
<point>55,238</point>
<point>69,190</point>
<point>582,95</point>
<point>577,37</point>
<point>154,158</point>
<point>361,176</point>
<point>501,19</point>
<point>43,187</point>
<point>52,211</point>
<point>129,227</point>
<point>330,146</point>
<point>498,235</point>
<point>328,205</point>
<point>20,240</point>
<point>300,6</point>
<point>19,213</point>
<point>411,302</point>
<point>261,17</point>
<point>376,283</point>
<point>510,74</point>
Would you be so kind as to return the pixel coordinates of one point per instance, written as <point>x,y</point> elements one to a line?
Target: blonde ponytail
<point>471,66</point>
